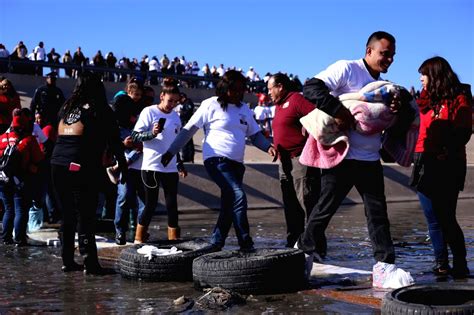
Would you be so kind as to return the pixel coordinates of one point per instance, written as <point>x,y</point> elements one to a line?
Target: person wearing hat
<point>16,192</point>
<point>48,99</point>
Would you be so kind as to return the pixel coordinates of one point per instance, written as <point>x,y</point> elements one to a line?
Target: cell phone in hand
<point>161,122</point>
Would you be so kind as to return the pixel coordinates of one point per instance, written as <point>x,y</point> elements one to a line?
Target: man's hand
<point>344,119</point>
<point>273,152</point>
<point>128,142</point>
<point>166,158</point>
<point>183,173</point>
<point>395,104</point>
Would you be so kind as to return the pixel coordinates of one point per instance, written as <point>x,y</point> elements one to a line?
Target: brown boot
<point>141,235</point>
<point>174,233</point>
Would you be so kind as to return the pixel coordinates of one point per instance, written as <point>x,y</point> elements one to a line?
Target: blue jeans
<point>228,175</point>
<point>16,202</point>
<point>436,234</point>
<point>130,197</point>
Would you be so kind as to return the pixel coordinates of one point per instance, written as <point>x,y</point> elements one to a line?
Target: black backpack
<point>10,163</point>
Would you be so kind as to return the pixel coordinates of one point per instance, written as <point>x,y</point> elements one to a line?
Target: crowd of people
<point>152,68</point>
<point>138,142</point>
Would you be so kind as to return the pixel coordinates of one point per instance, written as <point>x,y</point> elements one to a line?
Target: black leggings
<point>76,196</point>
<point>152,181</point>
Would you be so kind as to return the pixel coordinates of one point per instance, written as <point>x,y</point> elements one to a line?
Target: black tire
<point>440,298</point>
<point>258,272</point>
<point>176,267</point>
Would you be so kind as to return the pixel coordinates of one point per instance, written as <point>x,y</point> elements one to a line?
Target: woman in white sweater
<point>226,121</point>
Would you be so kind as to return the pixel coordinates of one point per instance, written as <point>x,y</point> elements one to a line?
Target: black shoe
<point>460,272</point>
<point>8,241</point>
<point>120,239</point>
<point>247,249</point>
<point>21,243</point>
<point>72,267</point>
<point>441,269</point>
<point>97,270</point>
<point>215,248</point>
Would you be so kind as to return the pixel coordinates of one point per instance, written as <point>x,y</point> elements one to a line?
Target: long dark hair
<point>225,84</point>
<point>89,89</point>
<point>443,83</point>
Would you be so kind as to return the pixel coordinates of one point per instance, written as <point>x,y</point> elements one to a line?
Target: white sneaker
<point>113,174</point>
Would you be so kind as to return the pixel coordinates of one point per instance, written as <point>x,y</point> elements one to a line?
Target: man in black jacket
<point>48,99</point>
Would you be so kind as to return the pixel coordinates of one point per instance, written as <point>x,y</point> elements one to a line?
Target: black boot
<point>460,269</point>
<point>67,252</point>
<point>88,250</point>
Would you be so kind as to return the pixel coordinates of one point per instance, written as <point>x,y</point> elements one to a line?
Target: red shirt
<point>7,106</point>
<point>29,149</point>
<point>435,132</point>
<point>287,129</point>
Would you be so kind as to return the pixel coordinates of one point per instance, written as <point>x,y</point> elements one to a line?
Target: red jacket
<point>7,105</point>
<point>29,149</point>
<point>449,130</point>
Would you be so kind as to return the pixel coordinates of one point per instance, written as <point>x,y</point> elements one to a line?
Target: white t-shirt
<point>40,53</point>
<point>224,131</point>
<point>153,65</point>
<point>272,110</point>
<point>261,112</point>
<point>154,149</point>
<point>347,76</point>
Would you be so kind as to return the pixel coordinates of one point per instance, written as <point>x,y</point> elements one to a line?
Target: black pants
<point>300,188</point>
<point>336,183</point>
<point>152,181</point>
<point>76,195</point>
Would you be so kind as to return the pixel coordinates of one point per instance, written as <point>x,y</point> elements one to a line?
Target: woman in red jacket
<point>16,193</point>
<point>8,102</point>
<point>440,160</point>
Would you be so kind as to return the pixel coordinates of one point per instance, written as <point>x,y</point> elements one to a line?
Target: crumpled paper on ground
<point>388,276</point>
<point>149,251</point>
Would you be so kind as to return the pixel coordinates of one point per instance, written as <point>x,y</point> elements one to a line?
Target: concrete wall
<point>261,184</point>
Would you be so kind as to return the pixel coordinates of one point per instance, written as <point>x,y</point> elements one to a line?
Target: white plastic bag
<point>388,276</point>
<point>149,251</point>
<point>35,219</point>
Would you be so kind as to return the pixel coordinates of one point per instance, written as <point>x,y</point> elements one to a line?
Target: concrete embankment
<point>261,184</point>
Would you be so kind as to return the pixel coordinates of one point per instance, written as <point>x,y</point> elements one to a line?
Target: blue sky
<point>295,36</point>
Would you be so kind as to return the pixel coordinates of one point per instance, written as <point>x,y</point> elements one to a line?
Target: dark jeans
<point>336,183</point>
<point>439,183</point>
<point>76,196</point>
<point>152,182</point>
<point>434,228</point>
<point>300,188</point>
<point>130,198</point>
<point>16,202</point>
<point>228,175</point>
